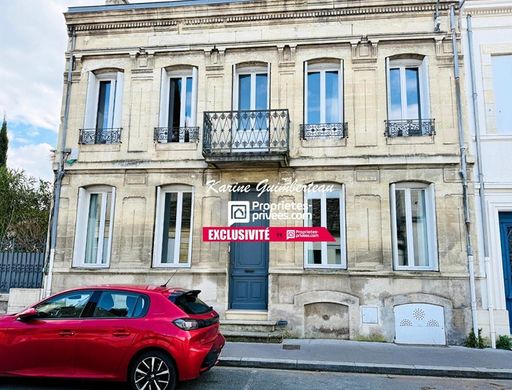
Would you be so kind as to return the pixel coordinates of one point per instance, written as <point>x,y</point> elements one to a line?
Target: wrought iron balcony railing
<point>323,130</point>
<point>236,132</point>
<point>100,136</point>
<point>410,128</point>
<point>176,134</point>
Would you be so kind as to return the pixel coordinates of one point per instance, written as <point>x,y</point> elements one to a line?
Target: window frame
<point>159,221</point>
<point>63,294</point>
<point>340,189</point>
<point>433,260</point>
<point>323,68</point>
<point>88,312</point>
<point>253,71</point>
<point>82,220</point>
<point>115,99</point>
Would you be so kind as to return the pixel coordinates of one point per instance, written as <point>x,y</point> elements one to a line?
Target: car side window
<point>69,305</point>
<point>117,304</point>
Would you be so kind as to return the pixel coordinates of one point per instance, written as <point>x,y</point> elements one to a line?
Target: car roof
<point>131,287</point>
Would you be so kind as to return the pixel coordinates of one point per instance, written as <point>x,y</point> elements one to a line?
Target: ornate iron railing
<point>323,130</point>
<point>100,136</point>
<point>410,128</point>
<point>237,132</point>
<point>176,134</point>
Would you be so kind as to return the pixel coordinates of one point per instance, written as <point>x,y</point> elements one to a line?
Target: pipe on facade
<point>59,174</point>
<point>481,190</point>
<point>464,172</point>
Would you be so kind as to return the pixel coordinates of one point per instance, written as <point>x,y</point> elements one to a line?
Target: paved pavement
<point>223,378</point>
<point>366,357</point>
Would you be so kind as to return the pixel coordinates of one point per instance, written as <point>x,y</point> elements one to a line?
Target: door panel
<point>248,286</point>
<point>506,252</point>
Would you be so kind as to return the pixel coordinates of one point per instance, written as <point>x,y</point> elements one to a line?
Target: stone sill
<point>176,146</point>
<point>100,148</point>
<point>411,140</point>
<point>323,143</point>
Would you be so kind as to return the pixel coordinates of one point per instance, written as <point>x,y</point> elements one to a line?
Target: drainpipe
<point>481,190</point>
<point>59,174</point>
<point>464,172</point>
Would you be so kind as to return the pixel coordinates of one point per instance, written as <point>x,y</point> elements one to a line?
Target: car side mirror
<point>28,314</point>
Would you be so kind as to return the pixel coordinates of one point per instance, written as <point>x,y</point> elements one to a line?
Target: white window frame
<point>433,262</point>
<point>340,191</point>
<point>424,103</point>
<point>322,68</point>
<point>159,223</point>
<point>92,100</point>
<point>84,200</point>
<point>251,71</point>
<point>167,75</point>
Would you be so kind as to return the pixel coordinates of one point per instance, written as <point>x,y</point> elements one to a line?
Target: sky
<point>32,46</point>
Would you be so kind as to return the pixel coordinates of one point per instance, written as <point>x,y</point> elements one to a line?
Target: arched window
<point>173,226</point>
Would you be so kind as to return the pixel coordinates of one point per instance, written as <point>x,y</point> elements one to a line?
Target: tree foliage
<point>24,210</point>
<point>4,144</point>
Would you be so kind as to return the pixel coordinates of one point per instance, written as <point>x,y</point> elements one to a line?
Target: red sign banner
<point>270,234</point>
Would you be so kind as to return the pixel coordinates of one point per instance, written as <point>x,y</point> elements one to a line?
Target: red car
<point>151,337</point>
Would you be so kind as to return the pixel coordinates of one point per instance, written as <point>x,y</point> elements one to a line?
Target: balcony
<point>410,128</point>
<point>163,135</point>
<point>323,131</point>
<point>107,136</point>
<point>258,136</point>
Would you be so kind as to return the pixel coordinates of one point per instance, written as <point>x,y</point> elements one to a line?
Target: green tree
<point>24,210</point>
<point>4,144</point>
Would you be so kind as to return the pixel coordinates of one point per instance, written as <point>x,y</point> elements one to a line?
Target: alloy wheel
<point>152,373</point>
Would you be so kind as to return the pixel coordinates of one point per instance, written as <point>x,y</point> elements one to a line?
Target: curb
<point>367,368</point>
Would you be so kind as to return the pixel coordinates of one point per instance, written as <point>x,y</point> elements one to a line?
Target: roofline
<point>151,5</point>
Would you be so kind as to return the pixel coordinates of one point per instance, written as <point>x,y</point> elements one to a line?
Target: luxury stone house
<point>168,97</point>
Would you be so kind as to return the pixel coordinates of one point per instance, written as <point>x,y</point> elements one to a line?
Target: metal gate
<point>21,269</point>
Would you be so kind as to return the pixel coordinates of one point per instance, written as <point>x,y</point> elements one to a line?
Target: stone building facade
<point>169,96</point>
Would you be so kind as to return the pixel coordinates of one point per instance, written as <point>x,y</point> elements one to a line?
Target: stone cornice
<point>488,11</point>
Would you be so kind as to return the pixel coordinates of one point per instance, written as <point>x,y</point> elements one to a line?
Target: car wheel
<point>153,370</point>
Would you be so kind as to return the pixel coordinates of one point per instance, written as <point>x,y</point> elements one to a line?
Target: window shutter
<point>234,92</point>
<point>157,248</point>
<point>432,228</point>
<point>118,101</point>
<point>425,93</point>
<point>392,201</point>
<point>164,96</point>
<point>91,102</point>
<point>388,89</point>
<point>269,84</point>
<point>111,227</point>
<point>305,105</point>
<point>341,96</point>
<point>194,97</point>
<point>80,228</point>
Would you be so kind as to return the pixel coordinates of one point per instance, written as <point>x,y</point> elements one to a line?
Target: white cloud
<point>33,159</point>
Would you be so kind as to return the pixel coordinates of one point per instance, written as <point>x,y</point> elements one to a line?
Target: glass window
<point>414,232</point>
<point>68,305</point>
<point>313,98</point>
<point>104,110</point>
<point>97,240</point>
<point>189,302</point>
<point>502,78</point>
<point>326,210</point>
<point>244,92</point>
<point>323,94</point>
<point>113,304</point>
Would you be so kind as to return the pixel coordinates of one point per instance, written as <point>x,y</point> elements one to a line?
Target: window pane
<point>186,216</point>
<point>333,225</point>
<point>314,249</point>
<point>169,229</point>
<point>93,229</point>
<point>413,93</point>
<point>401,228</point>
<point>102,118</point>
<point>174,109</point>
<point>332,109</point>
<point>106,232</point>
<point>502,78</point>
<point>395,94</point>
<point>419,227</point>
<point>69,305</point>
<point>120,305</point>
<point>313,96</point>
<point>244,92</point>
<point>188,103</point>
<point>261,91</point>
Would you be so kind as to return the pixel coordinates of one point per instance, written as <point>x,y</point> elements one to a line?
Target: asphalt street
<point>223,378</point>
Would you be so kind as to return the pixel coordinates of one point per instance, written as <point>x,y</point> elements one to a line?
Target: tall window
<point>178,105</point>
<point>324,93</point>
<point>502,78</point>
<point>173,230</point>
<point>93,240</point>
<point>413,226</point>
<point>326,209</point>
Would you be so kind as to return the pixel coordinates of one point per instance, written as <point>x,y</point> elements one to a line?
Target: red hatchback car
<point>151,337</point>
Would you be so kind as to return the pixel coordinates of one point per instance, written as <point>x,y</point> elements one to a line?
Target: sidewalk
<point>367,357</point>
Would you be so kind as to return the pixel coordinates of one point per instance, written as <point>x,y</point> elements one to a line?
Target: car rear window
<point>189,302</point>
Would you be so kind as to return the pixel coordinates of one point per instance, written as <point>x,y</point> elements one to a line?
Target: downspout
<point>481,190</point>
<point>59,174</point>
<point>464,172</point>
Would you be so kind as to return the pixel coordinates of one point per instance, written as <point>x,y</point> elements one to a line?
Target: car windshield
<point>190,303</point>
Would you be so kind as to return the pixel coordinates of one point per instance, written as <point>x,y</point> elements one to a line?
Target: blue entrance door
<point>248,280</point>
<point>506,251</point>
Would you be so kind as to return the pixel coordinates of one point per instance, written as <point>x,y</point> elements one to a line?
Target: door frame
<point>505,218</point>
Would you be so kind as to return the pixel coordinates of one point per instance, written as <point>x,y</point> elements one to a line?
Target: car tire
<point>150,369</point>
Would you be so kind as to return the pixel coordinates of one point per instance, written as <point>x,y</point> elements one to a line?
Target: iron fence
<point>410,127</point>
<point>21,267</point>
<point>100,136</point>
<point>176,134</point>
<point>323,130</point>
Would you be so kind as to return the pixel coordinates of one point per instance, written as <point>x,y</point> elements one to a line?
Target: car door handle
<point>120,333</point>
<point>65,333</point>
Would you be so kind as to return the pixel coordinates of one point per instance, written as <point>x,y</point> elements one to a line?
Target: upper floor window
<point>251,87</point>
<point>502,82</point>
<point>93,237</point>
<point>413,223</point>
<point>408,98</point>
<point>326,209</point>
<point>173,229</point>
<point>102,123</point>
<point>178,102</point>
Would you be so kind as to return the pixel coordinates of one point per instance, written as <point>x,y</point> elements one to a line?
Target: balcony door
<point>251,105</point>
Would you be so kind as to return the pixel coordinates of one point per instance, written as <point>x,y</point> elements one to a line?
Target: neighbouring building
<point>489,29</point>
<point>167,97</point>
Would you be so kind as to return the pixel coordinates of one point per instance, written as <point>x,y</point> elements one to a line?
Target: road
<point>222,378</point>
